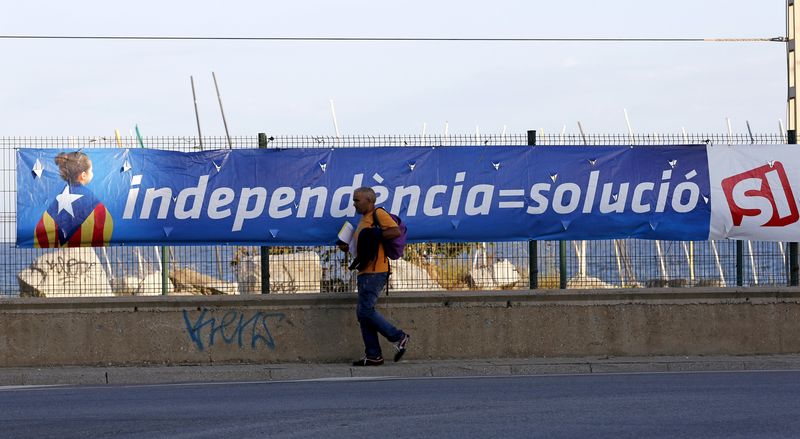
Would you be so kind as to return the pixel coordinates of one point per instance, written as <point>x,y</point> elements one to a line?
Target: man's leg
<point>371,321</point>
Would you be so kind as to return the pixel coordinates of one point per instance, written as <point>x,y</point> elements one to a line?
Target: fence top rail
<point>192,143</point>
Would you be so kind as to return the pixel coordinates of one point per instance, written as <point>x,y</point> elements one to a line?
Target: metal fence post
<point>164,270</point>
<point>262,143</point>
<point>562,265</point>
<point>794,269</point>
<point>533,246</point>
<point>739,263</point>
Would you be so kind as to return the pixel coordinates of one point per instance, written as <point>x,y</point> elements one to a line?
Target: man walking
<point>373,273</point>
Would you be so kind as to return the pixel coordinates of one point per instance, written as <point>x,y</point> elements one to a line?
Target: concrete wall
<point>322,327</point>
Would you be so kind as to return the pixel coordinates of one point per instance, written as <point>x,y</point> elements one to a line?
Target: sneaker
<point>400,346</point>
<point>366,361</point>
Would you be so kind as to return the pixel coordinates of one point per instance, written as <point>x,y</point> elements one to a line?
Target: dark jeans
<point>371,321</point>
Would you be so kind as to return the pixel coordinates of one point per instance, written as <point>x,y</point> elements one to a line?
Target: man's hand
<point>343,246</point>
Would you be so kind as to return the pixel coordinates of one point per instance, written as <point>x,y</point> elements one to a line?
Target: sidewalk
<point>407,369</point>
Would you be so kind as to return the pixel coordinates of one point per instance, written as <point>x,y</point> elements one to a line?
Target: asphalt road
<point>667,405</point>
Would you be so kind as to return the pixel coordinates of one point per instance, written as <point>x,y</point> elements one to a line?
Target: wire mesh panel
<point>156,270</point>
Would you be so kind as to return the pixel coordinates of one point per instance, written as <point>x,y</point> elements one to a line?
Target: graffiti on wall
<point>234,327</point>
<point>69,270</point>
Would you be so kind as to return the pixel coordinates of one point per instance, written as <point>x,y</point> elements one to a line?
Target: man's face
<point>361,203</point>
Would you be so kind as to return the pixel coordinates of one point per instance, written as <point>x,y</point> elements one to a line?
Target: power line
<point>389,39</point>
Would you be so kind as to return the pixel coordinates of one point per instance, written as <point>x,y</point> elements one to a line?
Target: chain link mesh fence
<point>137,270</point>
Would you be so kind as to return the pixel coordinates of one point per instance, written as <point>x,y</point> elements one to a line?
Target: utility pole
<point>793,68</point>
<point>793,62</point>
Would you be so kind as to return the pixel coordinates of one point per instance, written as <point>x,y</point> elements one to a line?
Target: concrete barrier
<point>321,328</point>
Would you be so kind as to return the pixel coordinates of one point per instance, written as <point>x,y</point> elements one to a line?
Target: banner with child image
<point>96,197</point>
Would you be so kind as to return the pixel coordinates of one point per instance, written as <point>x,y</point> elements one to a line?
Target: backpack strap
<point>377,223</point>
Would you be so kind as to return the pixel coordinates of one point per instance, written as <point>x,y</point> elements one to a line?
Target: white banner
<point>754,192</point>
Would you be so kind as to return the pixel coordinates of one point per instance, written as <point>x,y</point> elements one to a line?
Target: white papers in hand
<point>346,234</point>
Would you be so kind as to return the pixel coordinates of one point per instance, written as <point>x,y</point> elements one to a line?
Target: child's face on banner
<point>86,176</point>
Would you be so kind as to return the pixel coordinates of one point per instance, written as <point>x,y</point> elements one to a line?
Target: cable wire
<point>388,39</point>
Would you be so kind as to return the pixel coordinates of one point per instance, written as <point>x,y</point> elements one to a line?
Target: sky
<point>92,87</point>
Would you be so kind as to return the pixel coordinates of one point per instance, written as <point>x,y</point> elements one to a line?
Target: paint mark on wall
<point>237,327</point>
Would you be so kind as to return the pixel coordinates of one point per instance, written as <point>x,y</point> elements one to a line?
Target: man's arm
<point>391,232</point>
<point>387,232</point>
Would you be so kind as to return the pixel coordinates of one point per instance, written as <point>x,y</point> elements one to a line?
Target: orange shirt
<point>381,263</point>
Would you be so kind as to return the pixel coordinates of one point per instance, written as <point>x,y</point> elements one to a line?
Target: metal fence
<point>427,266</point>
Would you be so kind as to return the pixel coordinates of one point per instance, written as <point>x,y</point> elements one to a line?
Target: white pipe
<point>563,131</point>
<point>783,133</point>
<point>583,135</point>
<point>335,122</point>
<point>716,259</point>
<point>661,261</point>
<point>108,264</point>
<point>196,113</point>
<point>219,261</point>
<point>158,258</point>
<point>139,264</point>
<point>628,121</point>
<point>688,250</point>
<point>730,130</point>
<point>752,262</point>
<point>583,258</point>
<point>783,254</point>
<point>619,263</point>
<point>579,254</point>
<point>685,136</point>
<point>222,111</point>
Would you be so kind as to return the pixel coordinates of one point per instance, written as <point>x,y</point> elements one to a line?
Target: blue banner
<point>303,196</point>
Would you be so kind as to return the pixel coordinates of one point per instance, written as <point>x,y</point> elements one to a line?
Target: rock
<point>655,283</point>
<point>583,282</point>
<point>678,283</point>
<point>710,283</point>
<point>190,281</point>
<point>505,274</point>
<point>125,285</point>
<point>288,273</point>
<point>336,278</point>
<point>481,278</point>
<point>150,285</point>
<point>67,272</point>
<point>407,276</point>
<point>499,275</point>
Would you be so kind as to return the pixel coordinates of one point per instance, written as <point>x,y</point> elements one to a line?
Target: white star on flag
<point>65,200</point>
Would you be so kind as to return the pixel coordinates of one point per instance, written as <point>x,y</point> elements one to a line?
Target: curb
<point>142,375</point>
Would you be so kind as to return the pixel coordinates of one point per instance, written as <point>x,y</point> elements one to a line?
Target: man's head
<point>364,200</point>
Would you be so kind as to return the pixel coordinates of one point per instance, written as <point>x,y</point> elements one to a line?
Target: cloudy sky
<point>91,87</point>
